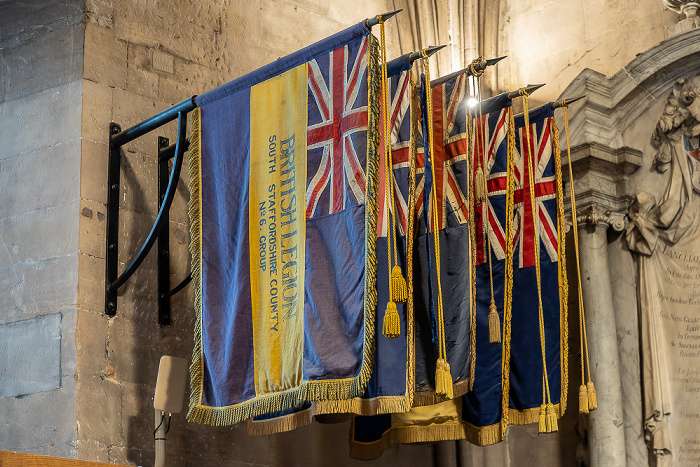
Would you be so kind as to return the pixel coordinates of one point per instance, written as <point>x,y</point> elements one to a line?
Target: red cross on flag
<point>337,131</point>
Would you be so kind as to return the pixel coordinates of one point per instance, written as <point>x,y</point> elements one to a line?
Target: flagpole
<point>369,22</point>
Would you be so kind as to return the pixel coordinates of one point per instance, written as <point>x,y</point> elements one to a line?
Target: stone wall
<point>551,42</point>
<point>75,383</point>
<point>41,51</point>
<point>141,58</point>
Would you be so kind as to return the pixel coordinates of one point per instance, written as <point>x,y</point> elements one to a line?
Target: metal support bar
<point>113,181</point>
<point>180,286</point>
<point>112,282</point>
<point>171,113</point>
<point>163,236</point>
<point>168,152</point>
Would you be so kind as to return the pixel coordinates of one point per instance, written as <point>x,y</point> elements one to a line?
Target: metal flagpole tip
<point>428,51</point>
<point>493,61</point>
<point>566,102</point>
<point>385,16</point>
<point>529,89</point>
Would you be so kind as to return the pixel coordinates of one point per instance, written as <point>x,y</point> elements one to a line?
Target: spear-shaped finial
<point>369,22</point>
<point>566,102</point>
<point>529,89</point>
<point>428,51</point>
<point>477,66</point>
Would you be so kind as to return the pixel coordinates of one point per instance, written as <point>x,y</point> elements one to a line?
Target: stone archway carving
<point>613,157</point>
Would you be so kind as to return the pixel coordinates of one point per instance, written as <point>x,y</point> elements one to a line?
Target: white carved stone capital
<point>689,8</point>
<point>595,215</point>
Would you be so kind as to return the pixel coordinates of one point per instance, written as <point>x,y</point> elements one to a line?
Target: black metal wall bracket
<point>167,185</point>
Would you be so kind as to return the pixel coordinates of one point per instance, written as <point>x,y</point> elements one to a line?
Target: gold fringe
<point>280,424</point>
<point>359,406</point>
<point>391,326</point>
<point>592,398</point>
<point>583,399</point>
<point>447,431</point>
<point>397,285</point>
<point>528,416</point>
<point>424,398</point>
<point>494,324</point>
<point>194,212</point>
<point>307,390</point>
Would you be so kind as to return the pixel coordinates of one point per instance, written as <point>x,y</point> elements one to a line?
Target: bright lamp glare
<point>472,102</point>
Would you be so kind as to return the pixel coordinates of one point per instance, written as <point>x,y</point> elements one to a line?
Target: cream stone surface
<point>69,68</point>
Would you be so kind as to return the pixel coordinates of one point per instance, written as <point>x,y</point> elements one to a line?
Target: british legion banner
<point>539,317</point>
<point>390,388</point>
<point>283,172</point>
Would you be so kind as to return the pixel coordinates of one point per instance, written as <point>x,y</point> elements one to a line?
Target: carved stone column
<point>600,178</point>
<point>606,428</point>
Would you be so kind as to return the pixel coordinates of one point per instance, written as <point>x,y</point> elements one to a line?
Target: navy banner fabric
<point>283,212</point>
<point>540,154</point>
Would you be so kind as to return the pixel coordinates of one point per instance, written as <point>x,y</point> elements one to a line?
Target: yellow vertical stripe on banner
<point>278,121</point>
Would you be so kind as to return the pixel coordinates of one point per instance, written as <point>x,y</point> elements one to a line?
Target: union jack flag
<point>538,153</point>
<point>400,130</point>
<point>449,153</point>
<point>337,130</point>
<point>535,148</point>
<point>491,155</point>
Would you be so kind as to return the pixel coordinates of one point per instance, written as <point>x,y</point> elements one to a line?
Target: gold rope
<point>471,159</point>
<point>494,324</point>
<point>508,286</point>
<point>587,396</point>
<point>563,279</point>
<point>414,114</point>
<point>443,377</point>
<point>392,322</point>
<point>547,421</point>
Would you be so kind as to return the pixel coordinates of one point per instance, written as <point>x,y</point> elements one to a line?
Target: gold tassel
<point>582,399</point>
<point>397,286</point>
<point>440,377</point>
<point>494,324</point>
<point>447,383</point>
<point>443,379</point>
<point>592,399</point>
<point>480,186</point>
<point>543,418</point>
<point>551,419</point>
<point>392,326</point>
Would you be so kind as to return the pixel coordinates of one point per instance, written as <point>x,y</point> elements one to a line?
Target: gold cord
<point>392,322</point>
<point>584,406</point>
<point>546,398</point>
<point>397,283</point>
<point>443,378</point>
<point>561,269</point>
<point>508,286</point>
<point>471,153</point>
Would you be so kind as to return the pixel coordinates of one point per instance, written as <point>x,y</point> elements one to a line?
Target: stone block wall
<point>75,383</point>
<point>41,51</point>
<point>551,42</point>
<point>140,58</point>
